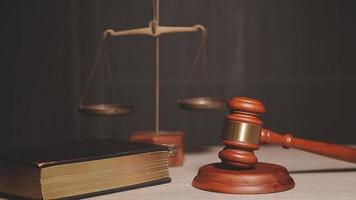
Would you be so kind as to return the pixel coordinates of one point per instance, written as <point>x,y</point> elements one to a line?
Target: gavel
<point>239,172</point>
<point>243,133</point>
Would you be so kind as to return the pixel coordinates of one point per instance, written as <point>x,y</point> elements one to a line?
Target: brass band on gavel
<point>241,132</point>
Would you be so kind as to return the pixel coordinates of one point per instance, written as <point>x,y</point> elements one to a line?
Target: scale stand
<point>174,140</point>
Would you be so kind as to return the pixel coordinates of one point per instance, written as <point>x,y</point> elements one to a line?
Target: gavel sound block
<point>239,172</point>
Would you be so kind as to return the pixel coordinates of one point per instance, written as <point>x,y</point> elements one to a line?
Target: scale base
<point>264,178</point>
<point>172,139</point>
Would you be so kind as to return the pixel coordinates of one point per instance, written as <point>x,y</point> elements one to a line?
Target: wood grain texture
<point>238,154</point>
<point>264,178</point>
<point>325,149</point>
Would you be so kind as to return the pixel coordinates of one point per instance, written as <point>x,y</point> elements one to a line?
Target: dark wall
<point>298,57</point>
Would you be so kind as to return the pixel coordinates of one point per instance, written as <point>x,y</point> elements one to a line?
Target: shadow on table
<point>309,171</point>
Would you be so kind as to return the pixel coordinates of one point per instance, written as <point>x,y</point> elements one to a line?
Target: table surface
<point>316,177</point>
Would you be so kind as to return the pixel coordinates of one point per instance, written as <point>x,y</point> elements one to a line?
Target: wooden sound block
<point>171,139</point>
<point>264,178</point>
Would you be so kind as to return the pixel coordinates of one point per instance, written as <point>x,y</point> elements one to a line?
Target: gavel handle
<point>329,150</point>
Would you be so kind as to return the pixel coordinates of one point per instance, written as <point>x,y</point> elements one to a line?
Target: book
<point>81,169</point>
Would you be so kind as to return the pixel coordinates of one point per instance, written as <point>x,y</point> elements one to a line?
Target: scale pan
<point>106,109</point>
<point>202,103</point>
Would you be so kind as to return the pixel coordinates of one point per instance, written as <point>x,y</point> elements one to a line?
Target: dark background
<point>298,57</point>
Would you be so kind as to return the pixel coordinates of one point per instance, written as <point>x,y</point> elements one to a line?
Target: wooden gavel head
<point>241,132</point>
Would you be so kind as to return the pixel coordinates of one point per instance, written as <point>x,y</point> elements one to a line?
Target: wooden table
<point>316,177</point>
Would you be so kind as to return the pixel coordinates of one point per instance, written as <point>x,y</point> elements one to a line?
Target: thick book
<point>81,169</point>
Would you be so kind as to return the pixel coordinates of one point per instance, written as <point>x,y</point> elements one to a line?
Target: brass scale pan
<point>106,109</point>
<point>202,103</point>
<point>196,103</point>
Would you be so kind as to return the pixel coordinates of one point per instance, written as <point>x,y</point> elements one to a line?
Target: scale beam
<point>155,31</point>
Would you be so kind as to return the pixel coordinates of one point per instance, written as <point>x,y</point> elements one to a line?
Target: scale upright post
<point>172,139</point>
<point>157,62</point>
